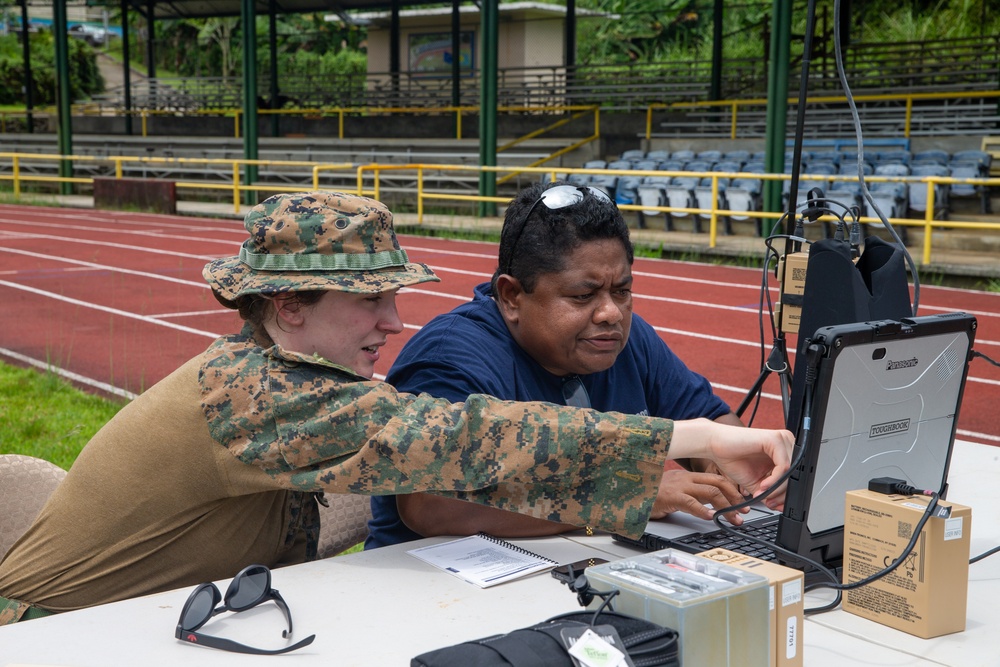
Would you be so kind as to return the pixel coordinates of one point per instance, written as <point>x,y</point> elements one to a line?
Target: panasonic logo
<point>903,363</point>
<point>890,428</point>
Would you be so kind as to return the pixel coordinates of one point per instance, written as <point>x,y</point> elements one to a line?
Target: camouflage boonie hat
<point>315,241</point>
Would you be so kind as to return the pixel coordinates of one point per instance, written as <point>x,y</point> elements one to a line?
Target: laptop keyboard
<point>766,530</point>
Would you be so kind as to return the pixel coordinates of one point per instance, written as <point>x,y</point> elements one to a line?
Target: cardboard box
<point>792,274</point>
<point>787,603</point>
<point>926,595</point>
<point>719,611</point>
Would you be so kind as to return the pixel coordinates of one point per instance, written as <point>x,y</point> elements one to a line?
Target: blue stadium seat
<point>680,194</point>
<point>627,190</point>
<point>740,156</point>
<point>892,198</point>
<point>971,164</point>
<point>918,191</point>
<point>633,155</point>
<point>672,165</point>
<point>744,194</point>
<point>893,157</point>
<point>646,165</point>
<point>652,192</point>
<point>712,156</point>
<point>932,155</point>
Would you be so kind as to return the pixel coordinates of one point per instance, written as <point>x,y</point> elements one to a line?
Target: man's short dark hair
<point>541,243</point>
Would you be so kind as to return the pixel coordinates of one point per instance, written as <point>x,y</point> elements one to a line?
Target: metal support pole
<point>569,39</point>
<point>151,51</point>
<point>777,104</point>
<point>248,20</point>
<point>126,69</point>
<point>488,105</point>
<point>456,55</point>
<point>715,87</point>
<point>29,82</point>
<point>63,92</point>
<point>272,40</point>
<point>394,52</point>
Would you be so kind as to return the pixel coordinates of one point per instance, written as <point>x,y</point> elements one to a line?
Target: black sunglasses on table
<point>554,198</point>
<point>249,588</point>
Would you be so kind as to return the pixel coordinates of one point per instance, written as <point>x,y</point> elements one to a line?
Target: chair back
<point>26,483</point>
<point>343,523</point>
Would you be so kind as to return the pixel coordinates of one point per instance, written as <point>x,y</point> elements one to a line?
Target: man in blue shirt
<point>554,324</point>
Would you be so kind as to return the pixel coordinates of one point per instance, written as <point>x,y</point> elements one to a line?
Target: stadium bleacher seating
<point>742,196</point>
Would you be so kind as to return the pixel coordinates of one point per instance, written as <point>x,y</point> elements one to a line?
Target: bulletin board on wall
<point>430,54</point>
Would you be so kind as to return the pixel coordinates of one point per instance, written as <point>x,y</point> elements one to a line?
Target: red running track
<point>115,301</point>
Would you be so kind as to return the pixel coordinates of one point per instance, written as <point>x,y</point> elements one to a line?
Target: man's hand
<point>683,491</point>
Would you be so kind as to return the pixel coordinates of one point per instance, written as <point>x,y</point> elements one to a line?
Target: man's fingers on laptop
<point>693,493</point>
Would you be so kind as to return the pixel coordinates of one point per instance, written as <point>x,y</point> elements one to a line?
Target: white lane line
<point>115,228</point>
<point>461,272</point>
<point>742,391</point>
<point>718,339</point>
<point>975,434</point>
<point>192,313</point>
<point>113,311</point>
<point>951,309</point>
<point>122,246</point>
<point>427,292</point>
<point>105,267</point>
<point>69,375</point>
<point>701,281</point>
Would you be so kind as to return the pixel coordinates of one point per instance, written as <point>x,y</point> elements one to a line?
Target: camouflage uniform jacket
<point>211,469</point>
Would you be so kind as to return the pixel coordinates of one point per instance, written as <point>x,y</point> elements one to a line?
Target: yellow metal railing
<point>341,113</point>
<point>233,167</point>
<point>735,106</point>
<point>366,180</point>
<point>929,223</point>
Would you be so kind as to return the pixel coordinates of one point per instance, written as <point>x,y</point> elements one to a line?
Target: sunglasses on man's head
<point>554,199</point>
<point>249,588</point>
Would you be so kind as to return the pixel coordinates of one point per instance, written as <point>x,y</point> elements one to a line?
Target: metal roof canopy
<point>183,9</point>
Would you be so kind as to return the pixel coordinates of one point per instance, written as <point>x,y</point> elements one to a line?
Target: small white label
<point>770,590</point>
<point>916,506</point>
<point>953,528</point>
<point>791,637</point>
<point>791,592</point>
<point>592,651</point>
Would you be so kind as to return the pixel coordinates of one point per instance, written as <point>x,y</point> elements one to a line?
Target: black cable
<point>977,353</point>
<point>985,554</point>
<point>800,112</point>
<point>861,175</point>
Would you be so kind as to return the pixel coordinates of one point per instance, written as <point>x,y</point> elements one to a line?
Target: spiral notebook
<point>482,559</point>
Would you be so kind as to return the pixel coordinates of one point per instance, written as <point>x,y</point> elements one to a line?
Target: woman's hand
<point>753,458</point>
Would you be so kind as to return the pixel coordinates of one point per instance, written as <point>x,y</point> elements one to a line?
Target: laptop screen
<point>884,403</point>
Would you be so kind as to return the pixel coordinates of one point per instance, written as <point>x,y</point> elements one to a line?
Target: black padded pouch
<point>647,644</point>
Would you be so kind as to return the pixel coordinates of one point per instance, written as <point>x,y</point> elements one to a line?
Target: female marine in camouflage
<point>218,465</point>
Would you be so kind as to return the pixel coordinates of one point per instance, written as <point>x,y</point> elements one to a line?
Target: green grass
<point>44,416</point>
